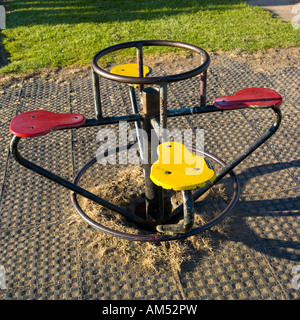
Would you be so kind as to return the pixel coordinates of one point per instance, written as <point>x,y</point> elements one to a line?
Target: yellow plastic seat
<point>178,169</point>
<point>129,70</point>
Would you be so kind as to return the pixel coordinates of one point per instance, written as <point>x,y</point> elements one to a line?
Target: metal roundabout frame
<point>154,116</point>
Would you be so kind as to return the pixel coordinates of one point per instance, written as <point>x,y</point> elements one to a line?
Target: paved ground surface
<point>42,253</point>
<point>284,9</point>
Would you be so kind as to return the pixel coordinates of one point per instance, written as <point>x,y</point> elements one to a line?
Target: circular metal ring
<point>157,237</point>
<point>151,80</point>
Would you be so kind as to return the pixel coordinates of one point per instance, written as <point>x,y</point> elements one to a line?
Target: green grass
<point>48,33</point>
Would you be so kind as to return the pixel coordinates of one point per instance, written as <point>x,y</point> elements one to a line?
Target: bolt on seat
<point>40,122</point>
<point>179,169</point>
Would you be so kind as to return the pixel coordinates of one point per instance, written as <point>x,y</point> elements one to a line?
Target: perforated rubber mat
<point>42,253</point>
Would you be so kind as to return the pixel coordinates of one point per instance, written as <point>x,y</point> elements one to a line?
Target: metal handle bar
<point>151,80</point>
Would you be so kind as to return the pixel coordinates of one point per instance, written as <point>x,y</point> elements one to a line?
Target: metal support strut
<point>188,216</point>
<point>154,195</point>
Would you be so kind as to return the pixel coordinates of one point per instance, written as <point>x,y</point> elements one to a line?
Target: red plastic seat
<point>40,122</point>
<point>249,97</point>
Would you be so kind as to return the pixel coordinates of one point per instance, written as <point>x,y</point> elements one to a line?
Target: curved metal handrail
<point>150,80</point>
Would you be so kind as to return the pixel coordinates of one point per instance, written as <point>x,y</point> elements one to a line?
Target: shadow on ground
<point>4,55</point>
<point>272,211</point>
<point>80,11</point>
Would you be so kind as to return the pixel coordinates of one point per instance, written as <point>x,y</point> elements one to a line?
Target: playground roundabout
<point>117,189</point>
<point>241,247</point>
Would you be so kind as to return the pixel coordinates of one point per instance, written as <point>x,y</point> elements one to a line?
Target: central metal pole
<point>154,195</point>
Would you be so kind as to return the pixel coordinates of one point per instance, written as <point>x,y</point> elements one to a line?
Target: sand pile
<point>122,190</point>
